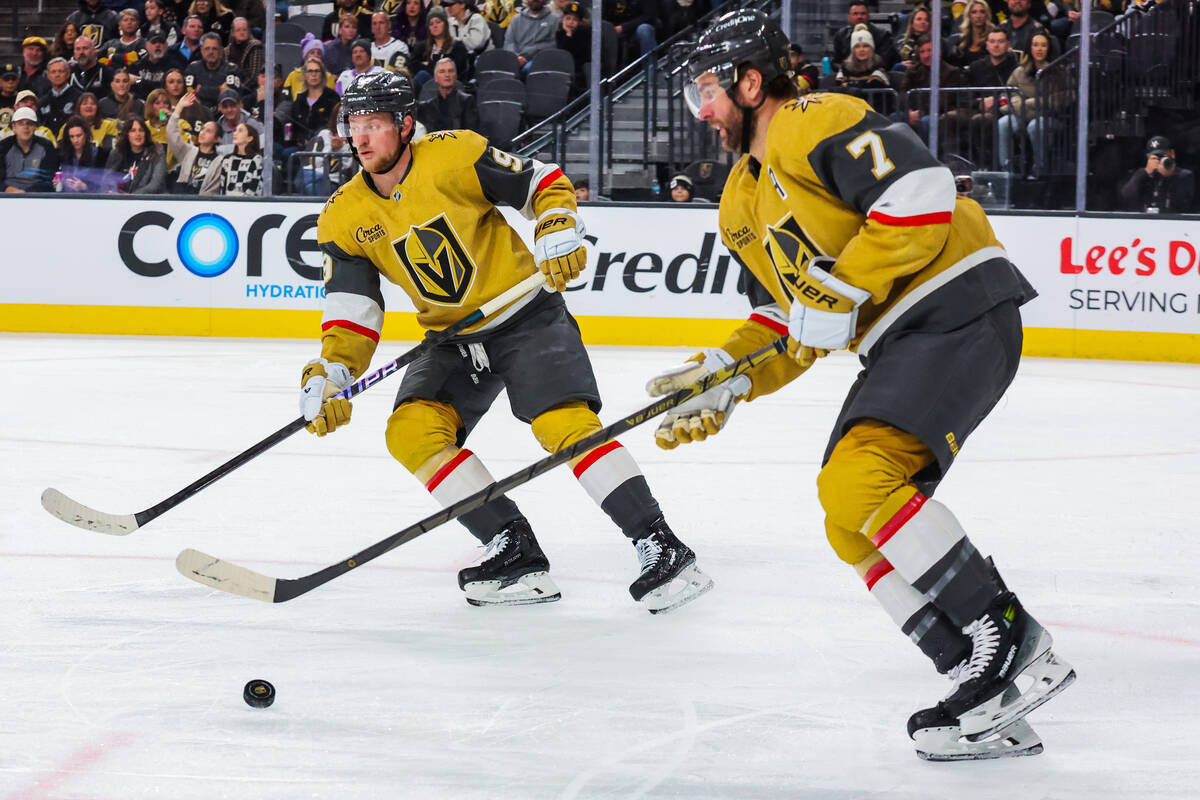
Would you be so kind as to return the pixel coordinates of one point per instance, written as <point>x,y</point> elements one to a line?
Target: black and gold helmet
<point>744,37</point>
<point>380,91</point>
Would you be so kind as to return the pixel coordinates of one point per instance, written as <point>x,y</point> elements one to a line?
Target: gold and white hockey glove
<point>558,248</point>
<point>319,382</point>
<point>824,312</point>
<point>705,414</point>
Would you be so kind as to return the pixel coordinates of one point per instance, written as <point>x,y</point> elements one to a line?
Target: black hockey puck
<point>259,693</point>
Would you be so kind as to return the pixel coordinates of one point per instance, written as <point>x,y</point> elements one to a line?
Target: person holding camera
<point>1162,186</point>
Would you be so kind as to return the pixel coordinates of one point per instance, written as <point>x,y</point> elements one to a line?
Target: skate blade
<point>536,587</point>
<point>1050,675</point>
<point>948,744</point>
<point>691,583</point>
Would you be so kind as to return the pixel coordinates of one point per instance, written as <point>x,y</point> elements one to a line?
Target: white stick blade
<point>89,519</point>
<point>212,571</point>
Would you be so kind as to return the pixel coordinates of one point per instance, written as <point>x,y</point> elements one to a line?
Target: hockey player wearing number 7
<point>423,215</point>
<point>857,240</point>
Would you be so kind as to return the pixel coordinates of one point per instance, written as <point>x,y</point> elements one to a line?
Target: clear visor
<point>351,125</point>
<point>706,88</point>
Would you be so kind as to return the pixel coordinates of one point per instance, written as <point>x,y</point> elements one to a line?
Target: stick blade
<point>89,519</point>
<point>212,571</point>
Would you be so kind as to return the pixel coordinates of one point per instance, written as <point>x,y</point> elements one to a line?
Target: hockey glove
<point>705,414</point>
<point>824,312</point>
<point>319,382</point>
<point>558,247</point>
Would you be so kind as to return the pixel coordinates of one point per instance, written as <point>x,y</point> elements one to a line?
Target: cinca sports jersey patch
<point>436,261</point>
<point>789,249</point>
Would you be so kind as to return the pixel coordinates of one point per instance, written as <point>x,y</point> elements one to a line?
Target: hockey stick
<point>235,579</point>
<point>81,516</point>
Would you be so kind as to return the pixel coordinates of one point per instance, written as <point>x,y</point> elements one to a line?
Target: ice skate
<point>1007,645</point>
<point>514,571</point>
<point>669,576</point>
<point>938,737</point>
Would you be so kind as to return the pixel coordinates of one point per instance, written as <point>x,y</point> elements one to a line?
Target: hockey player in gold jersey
<point>423,215</point>
<point>854,238</point>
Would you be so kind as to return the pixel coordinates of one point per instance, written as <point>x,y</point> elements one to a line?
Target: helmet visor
<point>706,88</point>
<point>351,125</point>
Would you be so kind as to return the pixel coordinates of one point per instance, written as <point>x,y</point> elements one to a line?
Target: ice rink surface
<point>121,679</point>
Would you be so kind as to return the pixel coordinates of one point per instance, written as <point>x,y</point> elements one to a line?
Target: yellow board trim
<point>402,326</point>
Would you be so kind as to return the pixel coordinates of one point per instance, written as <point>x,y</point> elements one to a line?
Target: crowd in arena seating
<point>169,96</point>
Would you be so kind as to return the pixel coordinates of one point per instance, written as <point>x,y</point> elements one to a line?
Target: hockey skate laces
<point>985,639</point>
<point>479,357</point>
<point>498,543</point>
<point>648,552</point>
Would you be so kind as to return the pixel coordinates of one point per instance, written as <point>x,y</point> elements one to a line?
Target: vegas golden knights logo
<point>790,250</point>
<point>436,261</point>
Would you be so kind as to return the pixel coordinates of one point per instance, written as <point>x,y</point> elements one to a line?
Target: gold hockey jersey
<point>842,181</point>
<point>439,237</point>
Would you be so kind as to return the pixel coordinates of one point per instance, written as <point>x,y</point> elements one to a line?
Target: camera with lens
<point>1168,163</point>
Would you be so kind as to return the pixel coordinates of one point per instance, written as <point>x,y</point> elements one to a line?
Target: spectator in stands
<point>1020,25</point>
<point>33,69</point>
<point>245,52</point>
<point>27,99</point>
<point>322,175</point>
<point>174,84</point>
<point>918,26</point>
<point>360,10</point>
<point>310,47</point>
<point>187,48</point>
<point>156,22</point>
<point>450,108</point>
<point>918,115</point>
<point>863,69</point>
<point>63,45</point>
<point>501,12</point>
<point>336,52</point>
<point>80,159</point>
<point>214,18</point>
<point>212,74</point>
<point>8,85</point>
<point>675,15</point>
<point>88,74</point>
<point>239,173</point>
<point>468,27</point>
<point>574,35</point>
<point>989,72</point>
<point>94,21</point>
<point>194,159</point>
<point>1033,111</point>
<point>121,102</point>
<point>128,46</point>
<point>681,188</point>
<point>138,161</point>
<point>410,28</point>
<point>360,64</point>
<point>103,130</point>
<point>283,106</point>
<point>310,111</point>
<point>857,14</point>
<point>970,42</point>
<point>440,44</point>
<point>231,115</point>
<point>152,72</point>
<point>1162,186</point>
<point>27,161</point>
<point>386,50</point>
<point>58,102</point>
<point>633,20</point>
<point>531,32</point>
<point>158,111</point>
<point>255,12</point>
<point>807,75</point>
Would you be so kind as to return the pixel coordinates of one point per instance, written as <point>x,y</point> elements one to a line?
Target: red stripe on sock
<point>774,325</point>
<point>549,179</point>
<point>447,468</point>
<point>936,218</point>
<point>876,572</point>
<point>898,519</point>
<point>594,456</point>
<point>351,326</point>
